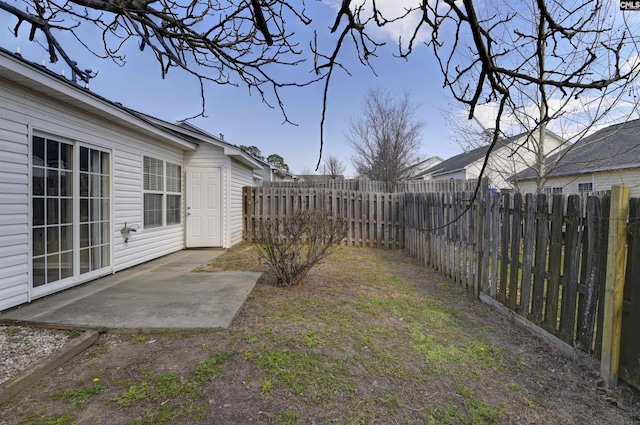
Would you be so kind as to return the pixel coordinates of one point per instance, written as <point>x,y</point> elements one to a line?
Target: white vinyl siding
<point>241,176</point>
<point>602,181</point>
<point>14,214</point>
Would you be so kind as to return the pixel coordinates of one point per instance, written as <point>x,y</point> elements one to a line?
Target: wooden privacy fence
<point>552,263</point>
<point>374,218</point>
<point>558,264</point>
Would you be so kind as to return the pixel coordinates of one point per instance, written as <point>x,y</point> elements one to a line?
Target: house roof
<point>417,167</point>
<point>38,78</point>
<point>197,135</point>
<point>612,148</point>
<point>463,160</point>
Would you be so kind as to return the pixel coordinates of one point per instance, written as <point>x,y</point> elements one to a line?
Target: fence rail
<point>362,185</point>
<point>543,258</point>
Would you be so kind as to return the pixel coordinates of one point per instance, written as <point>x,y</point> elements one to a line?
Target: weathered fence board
<point>591,264</point>
<point>555,259</point>
<point>527,255</point>
<point>571,270</point>
<point>505,227</point>
<point>540,267</point>
<point>516,235</point>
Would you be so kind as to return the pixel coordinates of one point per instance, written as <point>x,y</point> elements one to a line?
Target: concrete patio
<point>162,294</point>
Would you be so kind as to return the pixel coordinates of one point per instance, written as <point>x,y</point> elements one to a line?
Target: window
<point>585,187</point>
<point>153,189</point>
<point>553,190</point>
<point>160,193</point>
<point>55,194</point>
<point>174,193</point>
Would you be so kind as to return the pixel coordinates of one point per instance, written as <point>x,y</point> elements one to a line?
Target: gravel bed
<point>22,346</point>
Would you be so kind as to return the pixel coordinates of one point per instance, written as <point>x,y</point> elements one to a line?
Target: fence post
<point>481,213</point>
<point>614,285</point>
<point>246,213</point>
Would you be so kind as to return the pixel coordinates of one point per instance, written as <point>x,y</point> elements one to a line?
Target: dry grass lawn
<point>371,337</point>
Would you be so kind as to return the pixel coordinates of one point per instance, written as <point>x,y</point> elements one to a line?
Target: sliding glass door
<point>70,210</point>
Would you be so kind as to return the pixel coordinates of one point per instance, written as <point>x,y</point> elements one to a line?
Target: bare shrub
<point>291,246</point>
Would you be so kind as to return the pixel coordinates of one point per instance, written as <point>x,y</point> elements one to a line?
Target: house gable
<point>509,156</point>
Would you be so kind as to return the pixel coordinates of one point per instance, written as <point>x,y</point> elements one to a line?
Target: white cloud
<point>390,9</point>
<point>576,117</point>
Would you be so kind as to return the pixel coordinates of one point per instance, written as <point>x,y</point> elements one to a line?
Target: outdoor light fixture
<point>126,231</point>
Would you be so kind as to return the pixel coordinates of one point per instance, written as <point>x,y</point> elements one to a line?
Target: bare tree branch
<point>485,50</point>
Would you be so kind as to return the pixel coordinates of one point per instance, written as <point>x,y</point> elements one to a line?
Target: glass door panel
<point>52,207</point>
<point>95,220</point>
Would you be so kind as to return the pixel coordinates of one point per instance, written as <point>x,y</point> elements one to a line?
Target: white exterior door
<point>204,221</point>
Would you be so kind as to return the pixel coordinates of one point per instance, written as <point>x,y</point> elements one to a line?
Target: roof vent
<point>221,136</point>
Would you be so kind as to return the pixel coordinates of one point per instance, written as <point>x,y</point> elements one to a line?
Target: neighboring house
<point>608,157</point>
<point>88,187</point>
<point>509,156</point>
<point>269,173</point>
<point>418,171</point>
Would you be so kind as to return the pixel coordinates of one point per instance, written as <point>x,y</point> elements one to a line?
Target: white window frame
<point>580,190</point>
<point>166,190</point>
<point>553,190</point>
<point>174,177</point>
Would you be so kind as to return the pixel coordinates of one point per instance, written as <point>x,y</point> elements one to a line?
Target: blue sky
<point>242,117</point>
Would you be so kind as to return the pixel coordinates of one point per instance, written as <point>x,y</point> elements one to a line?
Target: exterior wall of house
<point>511,159</point>
<point>24,113</point>
<point>600,181</point>
<point>241,176</point>
<point>145,244</point>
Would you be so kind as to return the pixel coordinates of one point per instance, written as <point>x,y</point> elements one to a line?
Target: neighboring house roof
<point>416,171</point>
<point>612,148</point>
<point>462,161</point>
